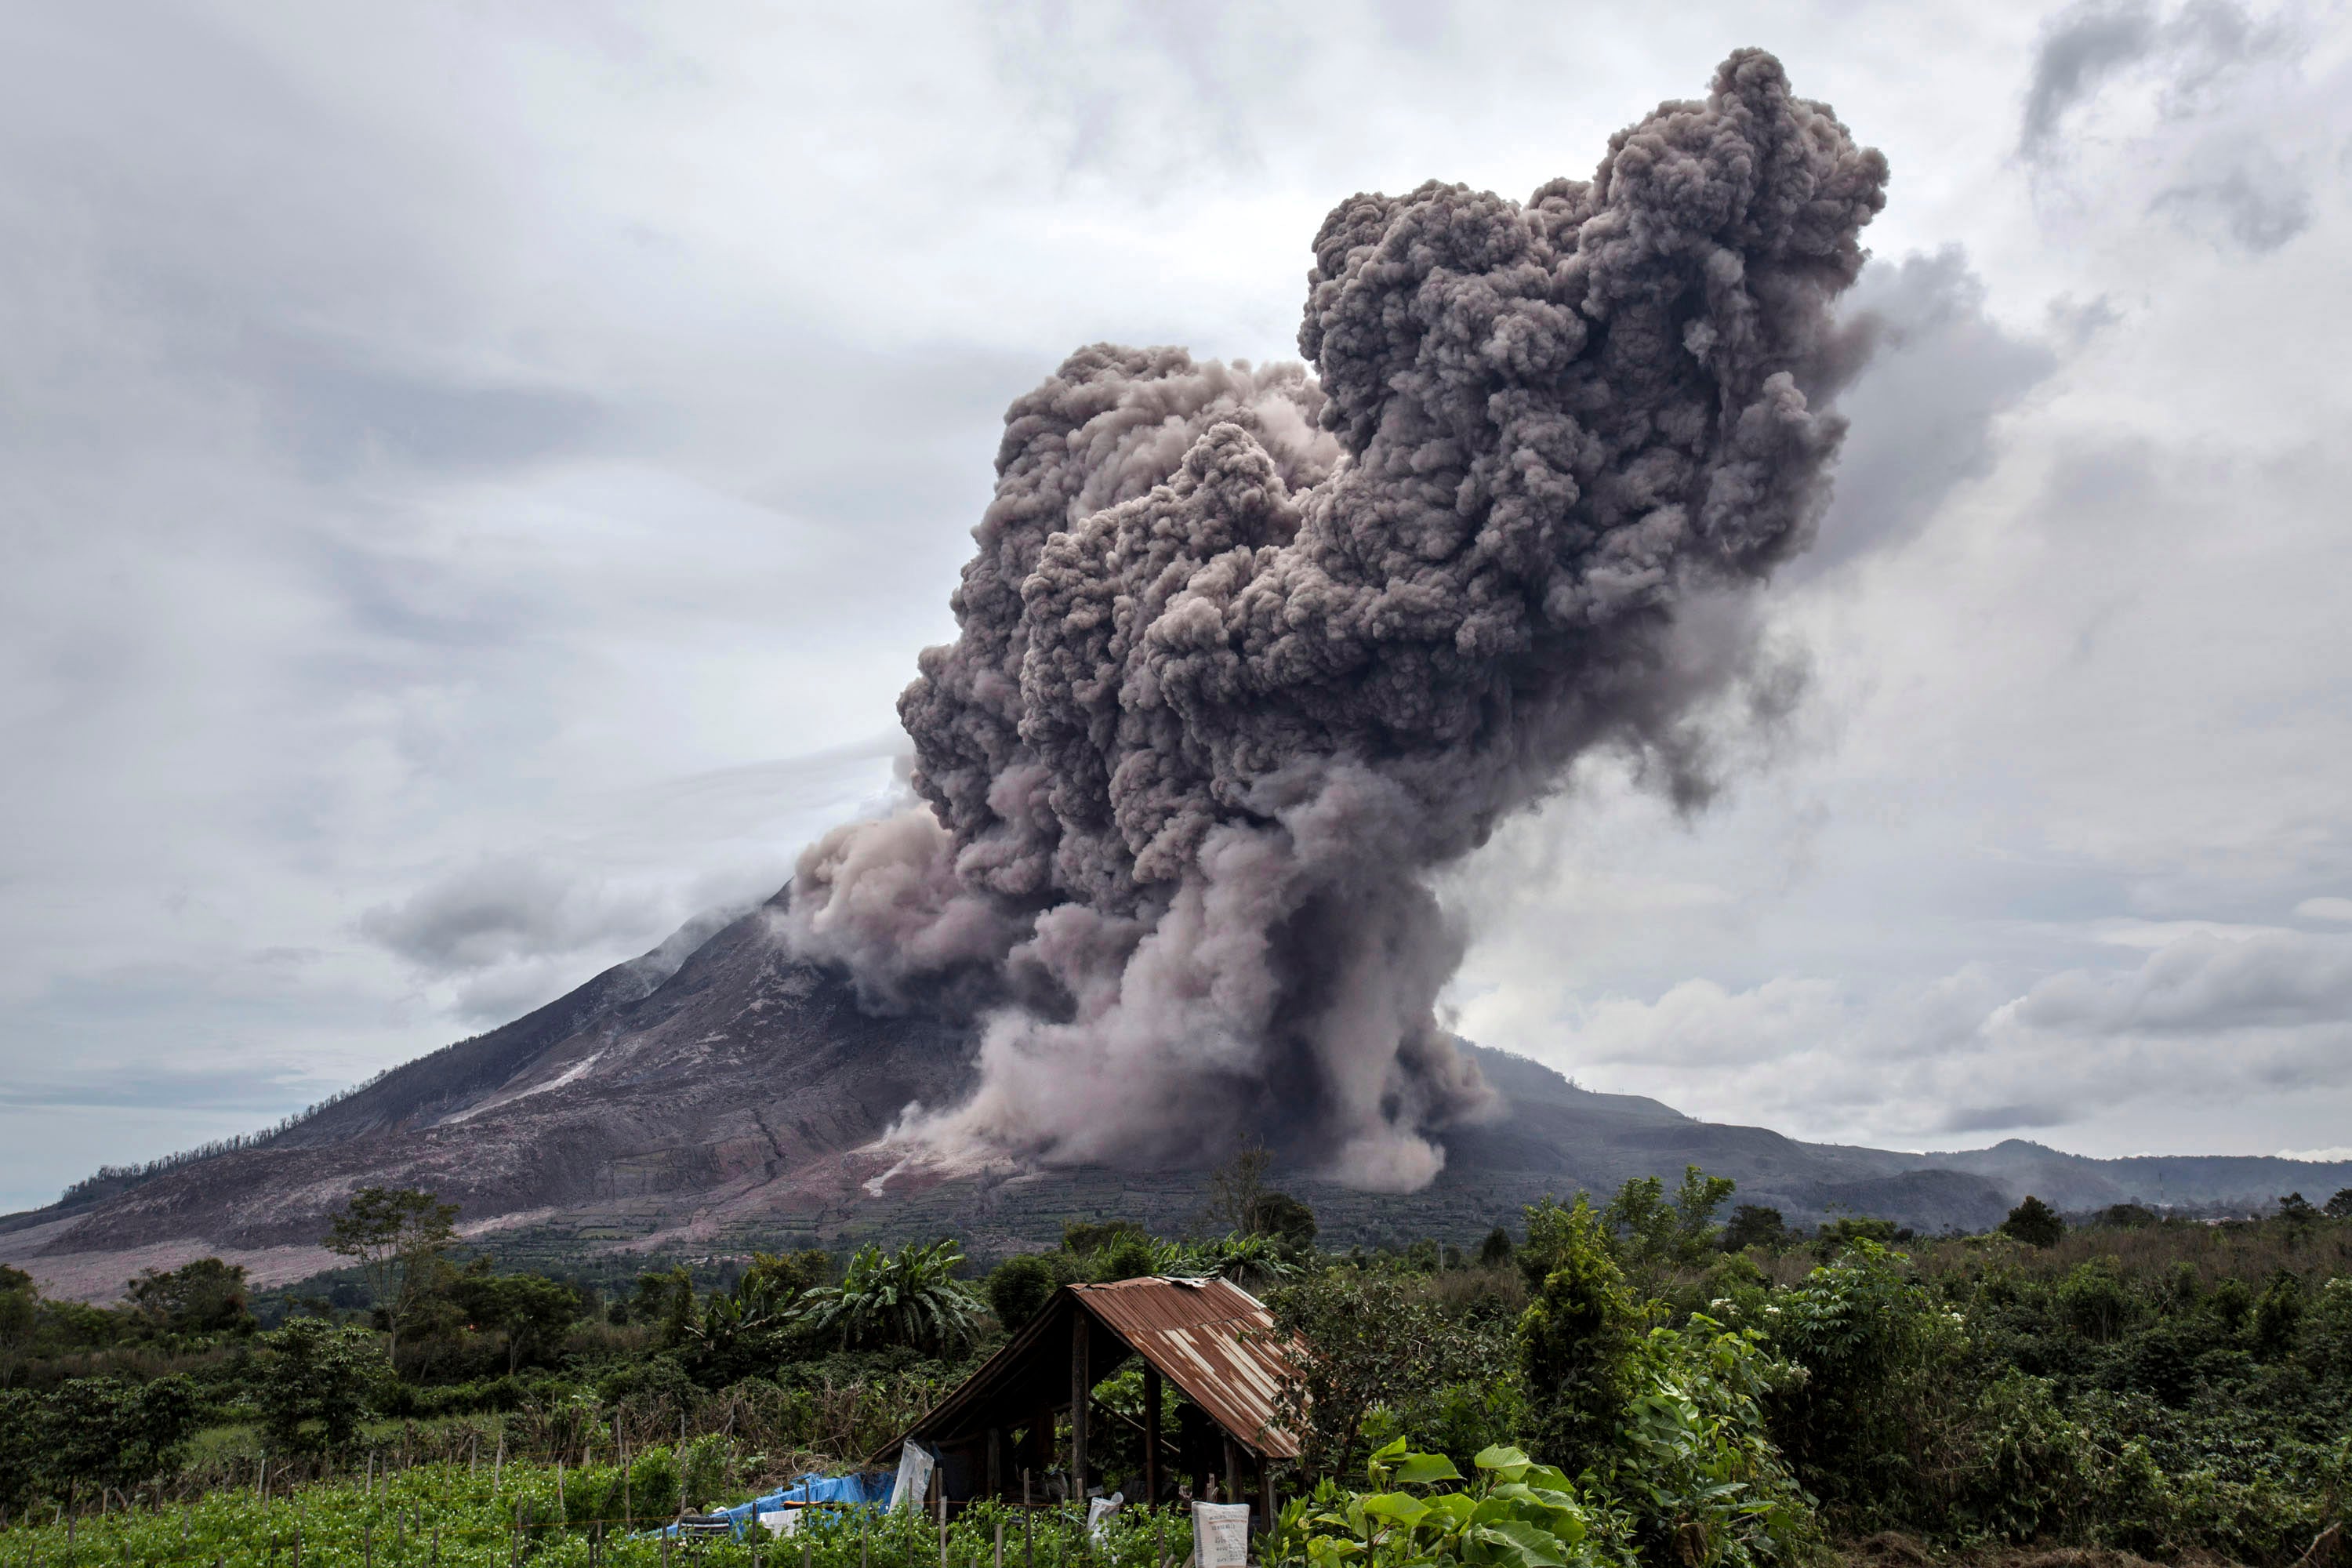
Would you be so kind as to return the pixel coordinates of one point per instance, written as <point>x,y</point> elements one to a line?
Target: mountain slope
<point>717,1094</point>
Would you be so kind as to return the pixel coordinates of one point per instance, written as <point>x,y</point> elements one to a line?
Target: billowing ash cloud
<point>1246,654</point>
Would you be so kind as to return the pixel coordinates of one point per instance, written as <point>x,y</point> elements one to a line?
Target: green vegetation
<point>480,1518</point>
<point>1693,1394</point>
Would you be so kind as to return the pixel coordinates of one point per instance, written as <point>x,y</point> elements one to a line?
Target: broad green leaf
<point>1421,1470</point>
<point>1502,1458</point>
<point>1383,1455</point>
<point>1522,1545</point>
<point>1402,1507</point>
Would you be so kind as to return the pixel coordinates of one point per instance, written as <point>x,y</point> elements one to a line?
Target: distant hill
<point>715,1095</point>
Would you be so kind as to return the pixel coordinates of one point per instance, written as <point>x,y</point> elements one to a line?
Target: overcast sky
<point>473,479</point>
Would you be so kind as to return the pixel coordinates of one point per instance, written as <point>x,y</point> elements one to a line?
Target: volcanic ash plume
<point>1246,655</point>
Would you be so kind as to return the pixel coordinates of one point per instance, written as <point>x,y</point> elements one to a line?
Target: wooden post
<point>1266,1493</point>
<point>1151,1435</point>
<point>995,1462</point>
<point>1081,1387</point>
<point>1232,1468</point>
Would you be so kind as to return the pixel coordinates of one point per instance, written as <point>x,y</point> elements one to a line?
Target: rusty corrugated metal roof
<point>1198,1332</point>
<point>1205,1336</point>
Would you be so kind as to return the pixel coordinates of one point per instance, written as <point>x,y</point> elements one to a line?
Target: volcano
<point>718,1094</point>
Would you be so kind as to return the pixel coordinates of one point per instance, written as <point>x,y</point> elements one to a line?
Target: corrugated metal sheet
<point>1198,1332</point>
<point>1205,1336</point>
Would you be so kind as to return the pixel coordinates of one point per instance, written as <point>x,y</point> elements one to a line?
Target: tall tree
<point>1237,1188</point>
<point>395,1235</point>
<point>2034,1223</point>
<point>206,1296</point>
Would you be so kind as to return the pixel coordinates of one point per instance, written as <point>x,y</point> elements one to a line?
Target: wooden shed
<point>1209,1338</point>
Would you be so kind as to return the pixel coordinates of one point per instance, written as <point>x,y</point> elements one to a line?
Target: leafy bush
<point>2034,1223</point>
<point>2094,1301</point>
<point>1517,1514</point>
<point>1019,1289</point>
<point>314,1386</point>
<point>1693,1469</point>
<point>1375,1343</point>
<point>92,1431</point>
<point>1576,1338</point>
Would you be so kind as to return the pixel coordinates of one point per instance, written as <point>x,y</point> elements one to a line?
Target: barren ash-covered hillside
<point>717,1094</point>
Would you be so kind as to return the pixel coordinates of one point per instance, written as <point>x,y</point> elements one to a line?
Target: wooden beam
<point>995,1462</point>
<point>1232,1468</point>
<point>1151,1435</point>
<point>1082,1387</point>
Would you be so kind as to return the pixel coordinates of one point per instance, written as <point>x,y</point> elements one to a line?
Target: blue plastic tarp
<point>856,1487</point>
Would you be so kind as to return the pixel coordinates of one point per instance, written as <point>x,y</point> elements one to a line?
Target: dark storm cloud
<point>1245,656</point>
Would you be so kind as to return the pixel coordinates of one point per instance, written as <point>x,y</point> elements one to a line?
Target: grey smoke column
<point>1244,656</point>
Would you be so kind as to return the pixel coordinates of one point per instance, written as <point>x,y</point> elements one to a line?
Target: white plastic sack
<point>781,1521</point>
<point>914,1481</point>
<point>1221,1534</point>
<point>1099,1509</point>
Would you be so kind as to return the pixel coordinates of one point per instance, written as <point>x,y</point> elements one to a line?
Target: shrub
<point>1693,1469</point>
<point>1494,1252</point>
<point>1753,1225</point>
<point>2093,1299</point>
<point>1420,1511</point>
<point>2278,1315</point>
<point>2034,1223</point>
<point>1375,1341</point>
<point>314,1385</point>
<point>1576,1337</point>
<point>1019,1289</point>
